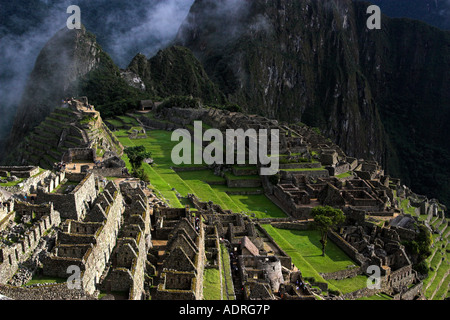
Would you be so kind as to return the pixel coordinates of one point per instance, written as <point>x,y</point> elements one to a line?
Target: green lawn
<point>305,250</point>
<point>164,179</point>
<point>344,175</point>
<point>233,177</point>
<point>379,296</point>
<point>201,175</point>
<point>11,183</point>
<point>299,261</point>
<point>350,284</point>
<point>45,280</point>
<point>227,281</point>
<point>211,285</point>
<point>304,169</point>
<point>308,244</point>
<point>129,120</point>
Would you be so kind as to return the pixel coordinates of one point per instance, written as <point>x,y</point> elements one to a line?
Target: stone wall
<point>80,154</point>
<point>98,252</point>
<point>284,258</point>
<point>347,248</point>
<point>244,183</point>
<point>177,286</point>
<point>12,256</point>
<point>402,277</point>
<point>343,274</point>
<point>75,204</point>
<point>19,172</point>
<point>315,174</point>
<point>405,234</point>
<point>45,292</point>
<point>301,226</point>
<point>411,293</point>
<point>109,172</point>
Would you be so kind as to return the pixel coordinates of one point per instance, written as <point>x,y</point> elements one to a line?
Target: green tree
<point>137,155</point>
<point>326,218</point>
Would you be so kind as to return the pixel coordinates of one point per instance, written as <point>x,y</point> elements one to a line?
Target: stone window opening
<point>10,260</point>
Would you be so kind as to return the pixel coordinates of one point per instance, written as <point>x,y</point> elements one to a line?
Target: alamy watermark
<point>230,149</point>
<point>74,280</point>
<point>74,21</point>
<point>374,21</point>
<point>374,281</point>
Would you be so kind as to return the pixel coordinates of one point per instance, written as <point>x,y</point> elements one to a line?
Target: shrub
<point>232,107</point>
<point>18,218</point>
<point>421,267</point>
<point>118,108</point>
<point>141,174</point>
<point>180,102</point>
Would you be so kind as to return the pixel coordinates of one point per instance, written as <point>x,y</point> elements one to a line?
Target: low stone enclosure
<point>11,256</point>
<point>129,264</point>
<point>370,245</point>
<point>87,155</point>
<point>73,197</point>
<point>20,172</point>
<point>87,243</point>
<point>109,245</point>
<point>181,271</point>
<point>255,255</point>
<point>298,197</point>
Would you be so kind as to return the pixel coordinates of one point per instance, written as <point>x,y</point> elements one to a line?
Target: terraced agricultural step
<point>444,228</point>
<point>51,128</point>
<point>43,132</point>
<point>69,144</point>
<point>434,275</point>
<point>75,139</point>
<point>50,160</point>
<point>53,141</point>
<point>34,159</point>
<point>63,117</point>
<point>65,111</point>
<point>433,221</point>
<point>39,146</point>
<point>57,123</point>
<point>56,154</point>
<point>441,291</point>
<point>440,284</point>
<point>44,163</point>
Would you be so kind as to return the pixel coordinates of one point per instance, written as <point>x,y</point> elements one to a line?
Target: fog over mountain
<point>123,29</point>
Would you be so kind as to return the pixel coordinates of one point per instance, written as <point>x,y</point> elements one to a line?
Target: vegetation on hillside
<point>325,218</point>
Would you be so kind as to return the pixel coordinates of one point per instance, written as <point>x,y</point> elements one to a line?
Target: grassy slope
<point>305,250</point>
<point>164,179</point>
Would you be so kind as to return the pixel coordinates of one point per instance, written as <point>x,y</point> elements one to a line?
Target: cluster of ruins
<point>128,244</point>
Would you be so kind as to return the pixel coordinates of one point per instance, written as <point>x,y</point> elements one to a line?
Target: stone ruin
<point>260,268</point>
<point>27,238</point>
<point>182,259</point>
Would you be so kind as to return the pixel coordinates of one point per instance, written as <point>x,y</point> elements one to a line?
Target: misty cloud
<point>123,29</point>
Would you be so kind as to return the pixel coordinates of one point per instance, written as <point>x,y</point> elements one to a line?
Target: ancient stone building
<point>44,217</point>
<point>74,196</point>
<point>88,243</point>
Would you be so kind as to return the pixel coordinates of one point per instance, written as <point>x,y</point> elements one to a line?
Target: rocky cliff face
<point>379,94</point>
<point>69,55</point>
<point>292,60</point>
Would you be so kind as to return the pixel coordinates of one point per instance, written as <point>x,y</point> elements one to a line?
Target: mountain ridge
<point>316,62</point>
